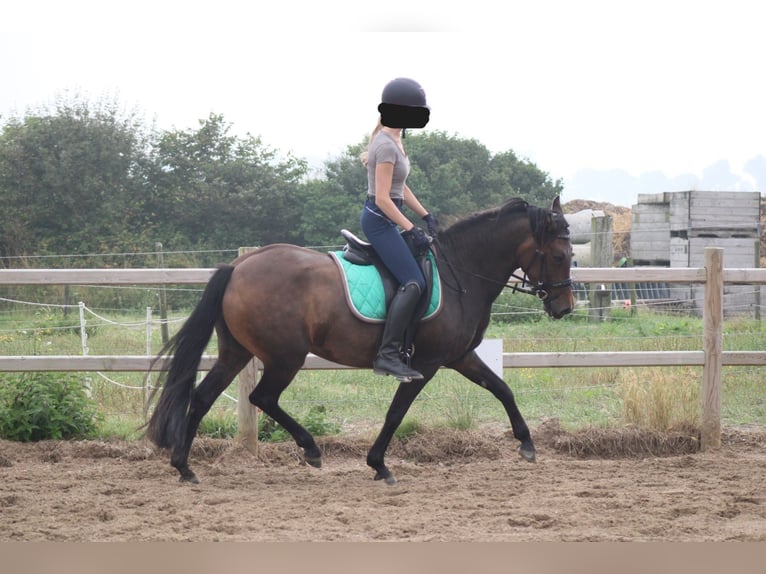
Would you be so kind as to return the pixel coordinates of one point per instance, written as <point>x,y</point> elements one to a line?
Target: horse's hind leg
<point>276,377</point>
<point>205,394</point>
<point>477,371</point>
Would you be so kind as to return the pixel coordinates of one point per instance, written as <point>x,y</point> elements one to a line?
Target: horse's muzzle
<point>559,305</point>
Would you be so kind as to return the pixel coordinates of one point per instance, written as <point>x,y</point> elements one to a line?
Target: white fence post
<point>148,330</point>
<point>84,344</point>
<point>83,332</point>
<point>147,380</point>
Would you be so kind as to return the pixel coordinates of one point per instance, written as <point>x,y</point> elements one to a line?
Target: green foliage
<point>74,178</point>
<point>85,178</point>
<point>315,422</point>
<point>462,412</point>
<point>218,425</point>
<point>408,428</point>
<point>455,176</point>
<point>514,307</point>
<point>213,188</point>
<point>328,208</point>
<point>41,406</point>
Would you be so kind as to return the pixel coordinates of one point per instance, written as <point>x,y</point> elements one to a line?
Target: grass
<point>357,400</point>
<point>661,400</point>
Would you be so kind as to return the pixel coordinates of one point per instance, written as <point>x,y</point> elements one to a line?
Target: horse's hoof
<point>528,454</point>
<point>315,461</point>
<point>387,477</point>
<point>189,477</point>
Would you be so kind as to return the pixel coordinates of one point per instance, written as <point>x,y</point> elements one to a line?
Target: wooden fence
<point>711,357</point>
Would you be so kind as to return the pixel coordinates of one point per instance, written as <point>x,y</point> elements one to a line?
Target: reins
<point>539,288</point>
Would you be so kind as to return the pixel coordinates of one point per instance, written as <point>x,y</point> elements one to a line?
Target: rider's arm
<point>412,202</point>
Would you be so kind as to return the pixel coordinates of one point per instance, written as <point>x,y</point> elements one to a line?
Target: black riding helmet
<point>403,104</point>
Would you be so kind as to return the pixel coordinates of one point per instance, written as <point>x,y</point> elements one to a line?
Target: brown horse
<point>281,302</point>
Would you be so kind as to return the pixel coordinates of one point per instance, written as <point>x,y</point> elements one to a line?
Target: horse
<point>281,302</point>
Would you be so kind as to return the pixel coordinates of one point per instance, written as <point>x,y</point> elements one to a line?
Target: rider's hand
<point>432,223</point>
<point>419,239</point>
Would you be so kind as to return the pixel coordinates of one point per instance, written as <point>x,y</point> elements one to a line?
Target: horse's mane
<point>478,228</point>
<point>513,205</point>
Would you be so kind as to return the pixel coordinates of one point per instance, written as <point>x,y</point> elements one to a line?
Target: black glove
<point>432,223</point>
<point>417,239</point>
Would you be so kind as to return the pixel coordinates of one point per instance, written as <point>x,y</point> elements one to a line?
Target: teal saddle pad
<point>366,295</point>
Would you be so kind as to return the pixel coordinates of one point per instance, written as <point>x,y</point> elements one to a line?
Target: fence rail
<point>198,276</point>
<point>143,363</point>
<point>711,357</point>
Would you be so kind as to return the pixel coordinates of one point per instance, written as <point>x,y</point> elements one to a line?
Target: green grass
<point>357,400</point>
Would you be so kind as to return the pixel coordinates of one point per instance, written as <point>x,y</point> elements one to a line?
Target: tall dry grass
<point>661,399</point>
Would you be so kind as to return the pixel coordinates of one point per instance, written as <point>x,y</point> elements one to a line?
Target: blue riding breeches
<point>390,246</point>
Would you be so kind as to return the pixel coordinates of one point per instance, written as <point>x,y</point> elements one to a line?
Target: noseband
<point>540,288</point>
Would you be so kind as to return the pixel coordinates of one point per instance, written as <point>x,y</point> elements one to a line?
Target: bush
<point>41,406</point>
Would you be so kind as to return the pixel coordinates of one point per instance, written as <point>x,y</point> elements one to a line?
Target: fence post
<point>247,413</point>
<point>84,344</point>
<point>602,255</point>
<point>712,342</point>
<point>147,379</point>
<point>163,296</point>
<point>757,264</point>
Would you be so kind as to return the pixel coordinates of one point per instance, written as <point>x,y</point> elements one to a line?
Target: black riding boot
<point>400,311</point>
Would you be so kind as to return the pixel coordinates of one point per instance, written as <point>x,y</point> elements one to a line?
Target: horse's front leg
<point>477,371</point>
<point>403,399</point>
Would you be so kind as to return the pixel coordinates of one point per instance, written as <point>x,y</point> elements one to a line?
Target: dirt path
<point>452,487</point>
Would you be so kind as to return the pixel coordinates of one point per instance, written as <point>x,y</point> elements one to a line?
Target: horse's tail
<point>168,423</point>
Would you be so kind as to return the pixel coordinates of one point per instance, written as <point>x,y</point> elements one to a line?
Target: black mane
<point>513,205</point>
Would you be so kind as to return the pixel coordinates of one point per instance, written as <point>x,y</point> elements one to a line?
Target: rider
<point>403,105</point>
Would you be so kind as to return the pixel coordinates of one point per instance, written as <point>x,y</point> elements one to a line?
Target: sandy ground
<point>453,486</point>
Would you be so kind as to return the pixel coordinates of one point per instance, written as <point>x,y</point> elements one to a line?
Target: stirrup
<point>406,376</point>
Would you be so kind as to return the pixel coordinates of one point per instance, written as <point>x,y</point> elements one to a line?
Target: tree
<point>332,202</point>
<point>213,190</point>
<point>84,178</point>
<point>455,176</point>
<point>74,179</point>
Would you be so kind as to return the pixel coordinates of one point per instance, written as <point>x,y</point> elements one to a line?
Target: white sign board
<point>491,352</point>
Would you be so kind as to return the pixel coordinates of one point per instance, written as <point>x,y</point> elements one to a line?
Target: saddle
<point>358,252</point>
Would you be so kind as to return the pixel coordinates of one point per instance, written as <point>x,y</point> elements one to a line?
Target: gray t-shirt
<point>383,149</point>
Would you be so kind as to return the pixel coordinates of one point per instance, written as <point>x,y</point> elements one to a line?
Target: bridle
<point>540,288</point>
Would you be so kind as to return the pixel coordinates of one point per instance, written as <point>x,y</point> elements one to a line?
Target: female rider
<point>403,105</point>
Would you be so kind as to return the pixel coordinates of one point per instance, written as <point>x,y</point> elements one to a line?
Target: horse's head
<point>546,260</point>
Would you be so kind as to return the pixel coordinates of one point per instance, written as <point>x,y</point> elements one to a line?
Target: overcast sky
<point>615,98</point>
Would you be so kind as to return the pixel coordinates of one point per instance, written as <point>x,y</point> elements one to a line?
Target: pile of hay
<point>628,442</point>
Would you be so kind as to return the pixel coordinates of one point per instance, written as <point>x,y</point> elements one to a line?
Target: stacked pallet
<point>673,229</point>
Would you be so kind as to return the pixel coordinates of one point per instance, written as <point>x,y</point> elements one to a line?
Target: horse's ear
<point>556,207</point>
